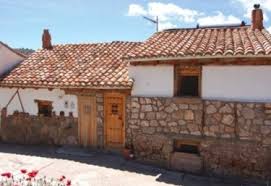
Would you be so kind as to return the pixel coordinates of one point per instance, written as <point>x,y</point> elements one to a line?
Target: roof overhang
<point>6,85</point>
<point>138,61</point>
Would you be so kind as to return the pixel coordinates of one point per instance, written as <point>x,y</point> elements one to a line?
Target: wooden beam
<point>202,62</point>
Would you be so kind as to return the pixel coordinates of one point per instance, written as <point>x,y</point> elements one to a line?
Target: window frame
<point>180,71</point>
<point>44,103</point>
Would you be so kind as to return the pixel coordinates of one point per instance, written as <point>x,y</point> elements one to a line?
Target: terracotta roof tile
<point>220,41</point>
<point>74,66</point>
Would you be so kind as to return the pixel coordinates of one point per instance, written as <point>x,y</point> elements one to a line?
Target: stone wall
<point>21,128</point>
<point>234,138</point>
<point>148,118</point>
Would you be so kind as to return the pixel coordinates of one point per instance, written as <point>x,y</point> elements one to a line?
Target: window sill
<point>188,100</point>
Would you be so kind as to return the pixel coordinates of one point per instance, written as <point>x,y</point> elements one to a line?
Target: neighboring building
<point>196,99</point>
<point>9,58</point>
<point>73,81</point>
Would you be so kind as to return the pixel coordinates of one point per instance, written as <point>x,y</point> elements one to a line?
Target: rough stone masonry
<point>234,138</point>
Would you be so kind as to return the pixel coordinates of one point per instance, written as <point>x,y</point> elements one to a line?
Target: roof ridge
<point>207,27</point>
<point>98,43</point>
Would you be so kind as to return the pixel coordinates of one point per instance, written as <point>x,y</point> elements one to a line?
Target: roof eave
<point>194,57</point>
<point>8,85</point>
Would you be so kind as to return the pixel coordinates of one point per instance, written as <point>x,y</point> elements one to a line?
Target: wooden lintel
<point>82,91</point>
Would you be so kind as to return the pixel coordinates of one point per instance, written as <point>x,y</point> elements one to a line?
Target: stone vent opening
<point>186,156</point>
<point>186,147</point>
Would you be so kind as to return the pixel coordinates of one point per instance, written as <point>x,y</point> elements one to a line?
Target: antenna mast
<point>155,21</point>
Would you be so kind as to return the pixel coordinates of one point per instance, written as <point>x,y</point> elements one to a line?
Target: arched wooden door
<point>114,120</point>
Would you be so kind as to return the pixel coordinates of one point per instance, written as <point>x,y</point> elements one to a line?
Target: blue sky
<point>84,21</point>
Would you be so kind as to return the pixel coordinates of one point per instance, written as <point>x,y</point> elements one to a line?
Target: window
<point>188,86</point>
<point>190,147</point>
<point>44,108</point>
<point>114,109</point>
<point>187,81</point>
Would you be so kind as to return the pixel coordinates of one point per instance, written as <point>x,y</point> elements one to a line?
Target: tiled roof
<point>215,42</point>
<point>74,66</point>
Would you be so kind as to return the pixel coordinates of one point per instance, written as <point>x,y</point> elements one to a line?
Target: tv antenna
<point>155,21</point>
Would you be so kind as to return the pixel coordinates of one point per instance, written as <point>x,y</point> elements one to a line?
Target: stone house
<point>194,99</point>
<point>201,99</point>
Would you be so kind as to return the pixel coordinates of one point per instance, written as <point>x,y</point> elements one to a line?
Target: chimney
<point>257,17</point>
<point>46,40</point>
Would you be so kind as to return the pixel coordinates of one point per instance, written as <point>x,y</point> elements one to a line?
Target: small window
<point>45,108</point>
<point>188,86</point>
<point>114,109</point>
<point>187,81</point>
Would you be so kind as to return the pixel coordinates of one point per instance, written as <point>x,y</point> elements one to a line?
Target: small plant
<point>26,178</point>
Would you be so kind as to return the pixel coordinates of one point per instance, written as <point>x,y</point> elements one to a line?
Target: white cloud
<point>168,13</point>
<point>219,18</point>
<point>248,6</point>
<point>136,10</point>
<point>166,25</point>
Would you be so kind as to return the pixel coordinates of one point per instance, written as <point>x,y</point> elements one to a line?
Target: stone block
<point>146,108</point>
<point>154,123</point>
<point>178,115</point>
<point>228,119</point>
<point>248,113</point>
<point>267,122</point>
<point>226,109</point>
<point>183,106</point>
<point>169,109</point>
<point>186,162</point>
<point>163,123</point>
<point>188,115</point>
<point>150,115</point>
<point>161,115</point>
<point>211,109</point>
<point>148,130</point>
<point>145,123</point>
<point>134,115</point>
<point>181,122</point>
<point>135,105</point>
<point>172,124</point>
<point>268,106</point>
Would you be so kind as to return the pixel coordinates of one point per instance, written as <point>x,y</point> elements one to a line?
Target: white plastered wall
<point>8,59</point>
<point>28,97</point>
<point>152,80</point>
<point>239,83</point>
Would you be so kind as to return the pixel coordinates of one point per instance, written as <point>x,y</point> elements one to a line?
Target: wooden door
<point>87,120</point>
<point>114,120</point>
